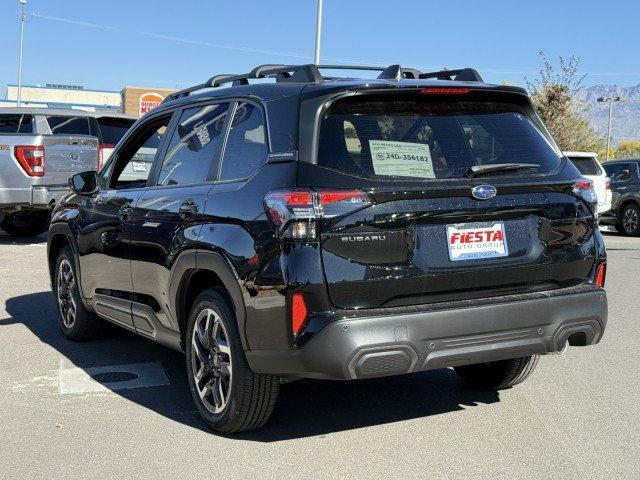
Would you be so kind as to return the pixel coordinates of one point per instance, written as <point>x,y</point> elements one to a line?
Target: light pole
<point>22,20</point>
<point>610,101</point>
<point>316,57</point>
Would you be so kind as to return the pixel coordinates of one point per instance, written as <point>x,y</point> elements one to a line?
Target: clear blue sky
<point>177,43</point>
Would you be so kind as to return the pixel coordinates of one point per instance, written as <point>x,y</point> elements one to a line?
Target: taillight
<point>601,275</point>
<point>298,313</point>
<point>584,189</point>
<point>101,159</point>
<point>295,213</point>
<point>607,183</point>
<point>31,159</point>
<point>445,91</point>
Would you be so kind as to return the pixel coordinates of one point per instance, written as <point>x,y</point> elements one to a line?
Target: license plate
<point>473,241</point>
<point>139,166</point>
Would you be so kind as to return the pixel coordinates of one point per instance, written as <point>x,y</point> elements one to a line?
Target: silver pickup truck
<point>40,149</point>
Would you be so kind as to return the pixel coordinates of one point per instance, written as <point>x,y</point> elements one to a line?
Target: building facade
<point>137,101</point>
<point>134,101</point>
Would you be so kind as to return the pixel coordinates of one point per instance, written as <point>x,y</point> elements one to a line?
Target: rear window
<point>416,140</point>
<point>16,123</point>
<point>68,125</point>
<point>113,129</point>
<point>586,166</point>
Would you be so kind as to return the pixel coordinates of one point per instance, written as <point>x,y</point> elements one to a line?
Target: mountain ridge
<point>625,124</point>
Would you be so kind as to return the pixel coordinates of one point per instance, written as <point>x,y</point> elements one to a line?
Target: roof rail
<point>310,73</point>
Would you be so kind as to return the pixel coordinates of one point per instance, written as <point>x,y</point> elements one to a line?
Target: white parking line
<point>101,379</point>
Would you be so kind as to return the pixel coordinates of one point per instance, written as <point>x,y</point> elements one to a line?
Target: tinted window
<point>69,125</point>
<point>113,129</point>
<point>246,148</point>
<point>620,172</point>
<point>134,160</point>
<point>194,146</point>
<point>416,140</point>
<point>16,123</point>
<point>586,166</point>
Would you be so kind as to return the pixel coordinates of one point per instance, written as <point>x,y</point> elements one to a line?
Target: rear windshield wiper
<point>480,170</point>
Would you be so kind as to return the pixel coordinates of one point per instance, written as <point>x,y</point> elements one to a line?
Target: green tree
<point>553,97</point>
<point>627,149</point>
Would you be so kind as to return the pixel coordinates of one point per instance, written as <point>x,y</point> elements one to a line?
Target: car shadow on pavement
<point>305,407</point>
<point>9,240</point>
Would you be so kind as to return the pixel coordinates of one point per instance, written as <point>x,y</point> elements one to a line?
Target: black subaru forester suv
<point>334,228</point>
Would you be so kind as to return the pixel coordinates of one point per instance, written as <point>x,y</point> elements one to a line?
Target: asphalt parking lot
<point>578,416</point>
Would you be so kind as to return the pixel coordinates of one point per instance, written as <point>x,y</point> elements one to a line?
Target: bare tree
<point>553,95</point>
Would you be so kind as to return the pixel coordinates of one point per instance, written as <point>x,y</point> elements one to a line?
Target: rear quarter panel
<point>236,227</point>
<point>15,184</point>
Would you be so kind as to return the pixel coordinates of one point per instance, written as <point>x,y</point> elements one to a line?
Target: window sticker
<point>138,166</point>
<point>401,159</point>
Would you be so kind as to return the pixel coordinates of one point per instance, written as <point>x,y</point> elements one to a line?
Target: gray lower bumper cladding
<point>378,346</point>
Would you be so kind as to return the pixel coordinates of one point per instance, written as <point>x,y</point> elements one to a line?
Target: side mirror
<point>84,183</point>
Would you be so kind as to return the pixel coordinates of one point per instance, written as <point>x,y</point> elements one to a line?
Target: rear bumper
<point>396,344</point>
<point>605,207</point>
<point>34,196</point>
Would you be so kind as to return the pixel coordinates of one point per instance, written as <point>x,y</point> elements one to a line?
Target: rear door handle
<point>188,209</point>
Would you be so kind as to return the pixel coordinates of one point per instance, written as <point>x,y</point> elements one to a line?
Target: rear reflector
<point>31,159</point>
<point>601,275</point>
<point>445,91</point>
<point>298,313</point>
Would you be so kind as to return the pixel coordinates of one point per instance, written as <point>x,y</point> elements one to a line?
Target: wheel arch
<point>193,275</point>
<point>627,201</point>
<point>60,236</point>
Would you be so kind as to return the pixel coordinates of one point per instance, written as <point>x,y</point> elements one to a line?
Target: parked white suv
<point>589,166</point>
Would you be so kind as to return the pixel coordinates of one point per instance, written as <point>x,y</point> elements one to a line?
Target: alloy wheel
<point>630,220</point>
<point>66,289</point>
<point>211,361</point>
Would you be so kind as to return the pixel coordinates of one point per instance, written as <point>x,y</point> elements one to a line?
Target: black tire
<point>629,220</point>
<point>85,324</point>
<point>250,397</point>
<point>498,375</point>
<point>26,223</point>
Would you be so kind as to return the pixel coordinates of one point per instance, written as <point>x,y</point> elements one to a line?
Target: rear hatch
<point>443,218</point>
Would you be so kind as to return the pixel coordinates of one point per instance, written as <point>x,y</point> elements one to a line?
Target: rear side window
<point>113,129</point>
<point>246,148</point>
<point>194,147</point>
<point>620,172</point>
<point>67,125</point>
<point>16,123</point>
<point>393,139</point>
<point>586,166</point>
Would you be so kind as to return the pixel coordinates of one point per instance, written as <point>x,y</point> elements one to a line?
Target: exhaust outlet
<point>563,349</point>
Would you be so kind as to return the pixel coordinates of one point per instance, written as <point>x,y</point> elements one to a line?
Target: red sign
<point>148,102</point>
